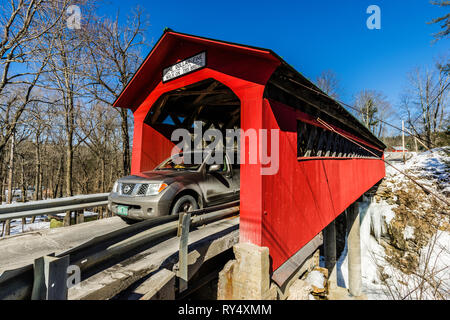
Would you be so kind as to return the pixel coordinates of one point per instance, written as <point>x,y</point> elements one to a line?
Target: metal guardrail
<point>32,282</point>
<point>398,156</point>
<point>52,206</point>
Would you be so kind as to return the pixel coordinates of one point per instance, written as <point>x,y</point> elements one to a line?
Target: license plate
<point>122,210</point>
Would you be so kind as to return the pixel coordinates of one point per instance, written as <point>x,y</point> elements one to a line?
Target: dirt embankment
<point>418,217</point>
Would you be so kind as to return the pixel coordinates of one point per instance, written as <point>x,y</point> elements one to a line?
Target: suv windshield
<point>181,161</point>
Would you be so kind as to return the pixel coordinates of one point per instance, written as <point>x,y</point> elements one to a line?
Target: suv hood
<point>167,176</point>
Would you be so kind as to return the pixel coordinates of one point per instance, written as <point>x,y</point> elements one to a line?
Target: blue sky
<point>314,36</point>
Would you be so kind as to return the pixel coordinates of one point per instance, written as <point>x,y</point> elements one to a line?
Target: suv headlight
<point>115,188</point>
<point>155,188</point>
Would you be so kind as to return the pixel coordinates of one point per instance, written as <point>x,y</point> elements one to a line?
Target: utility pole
<point>403,140</point>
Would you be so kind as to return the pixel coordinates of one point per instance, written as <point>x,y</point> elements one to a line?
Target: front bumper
<point>142,207</point>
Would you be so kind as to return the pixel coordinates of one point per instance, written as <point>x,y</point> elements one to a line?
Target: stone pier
<point>354,250</point>
<point>329,244</point>
<point>247,277</point>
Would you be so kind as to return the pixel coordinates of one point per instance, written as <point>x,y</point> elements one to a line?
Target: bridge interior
<point>209,102</point>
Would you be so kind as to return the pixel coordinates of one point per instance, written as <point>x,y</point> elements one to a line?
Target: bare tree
<point>114,56</point>
<point>22,23</point>
<point>328,82</point>
<point>424,103</point>
<point>445,20</point>
<point>373,110</point>
<point>100,124</point>
<point>64,78</point>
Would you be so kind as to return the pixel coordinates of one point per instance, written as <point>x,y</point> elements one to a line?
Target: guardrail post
<point>7,227</point>
<point>50,278</point>
<point>183,232</point>
<point>67,218</point>
<point>79,217</point>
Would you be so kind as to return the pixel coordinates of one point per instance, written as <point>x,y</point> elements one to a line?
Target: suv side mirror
<point>214,168</point>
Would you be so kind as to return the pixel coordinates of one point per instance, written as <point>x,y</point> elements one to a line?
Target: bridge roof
<point>145,79</point>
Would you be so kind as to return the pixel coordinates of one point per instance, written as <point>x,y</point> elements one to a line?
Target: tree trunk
<point>37,185</point>
<point>2,178</point>
<point>22,180</point>
<point>58,179</point>
<point>125,142</point>
<point>11,169</point>
<point>69,150</point>
<point>103,176</point>
<point>10,182</point>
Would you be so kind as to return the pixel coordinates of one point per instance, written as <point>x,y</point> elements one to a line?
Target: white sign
<point>184,67</point>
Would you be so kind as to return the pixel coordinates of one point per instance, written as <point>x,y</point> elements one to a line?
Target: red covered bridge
<point>226,85</point>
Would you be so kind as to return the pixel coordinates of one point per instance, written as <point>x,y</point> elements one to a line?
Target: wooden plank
<point>187,123</point>
<point>311,139</point>
<point>158,109</point>
<point>291,267</point>
<point>330,143</point>
<point>321,143</point>
<point>160,286</point>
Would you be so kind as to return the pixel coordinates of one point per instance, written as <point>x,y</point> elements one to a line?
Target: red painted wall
<point>305,196</point>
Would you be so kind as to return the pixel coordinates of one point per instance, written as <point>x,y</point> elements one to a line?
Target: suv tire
<point>185,203</point>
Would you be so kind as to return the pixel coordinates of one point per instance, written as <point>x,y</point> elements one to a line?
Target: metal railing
<point>46,278</point>
<point>52,206</point>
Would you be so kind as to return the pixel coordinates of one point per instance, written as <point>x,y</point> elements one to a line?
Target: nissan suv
<point>177,185</point>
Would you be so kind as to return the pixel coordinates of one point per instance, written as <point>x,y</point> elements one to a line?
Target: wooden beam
<point>235,116</point>
<point>158,109</point>
<point>190,120</point>
<point>309,99</point>
<point>311,139</point>
<point>209,90</point>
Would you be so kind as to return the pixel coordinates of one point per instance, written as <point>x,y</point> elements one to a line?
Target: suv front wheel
<point>185,203</point>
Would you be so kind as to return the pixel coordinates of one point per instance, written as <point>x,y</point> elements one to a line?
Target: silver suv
<point>176,186</point>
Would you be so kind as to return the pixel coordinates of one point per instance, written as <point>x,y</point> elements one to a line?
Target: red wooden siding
<point>305,196</point>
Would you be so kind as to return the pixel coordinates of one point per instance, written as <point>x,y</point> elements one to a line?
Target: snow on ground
<point>86,214</point>
<point>431,278</point>
<point>41,222</point>
<point>430,168</point>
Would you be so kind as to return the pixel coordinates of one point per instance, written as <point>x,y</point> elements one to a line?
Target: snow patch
<point>408,233</point>
<point>316,278</point>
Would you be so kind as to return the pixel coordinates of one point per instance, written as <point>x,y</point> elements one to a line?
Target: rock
<point>300,290</point>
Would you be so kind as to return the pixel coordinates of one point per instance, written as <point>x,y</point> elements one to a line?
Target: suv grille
<point>127,188</point>
<point>142,189</point>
